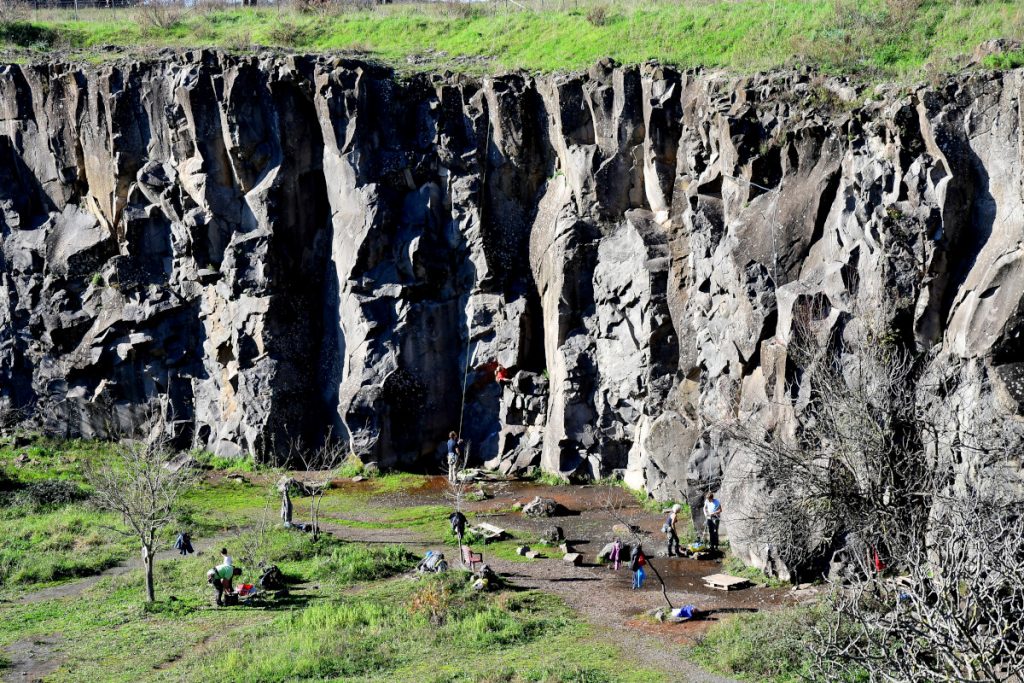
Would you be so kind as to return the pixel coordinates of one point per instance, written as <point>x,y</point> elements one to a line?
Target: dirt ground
<point>603,596</point>
<point>600,594</point>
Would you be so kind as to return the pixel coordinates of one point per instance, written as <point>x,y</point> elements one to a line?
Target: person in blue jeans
<point>637,560</point>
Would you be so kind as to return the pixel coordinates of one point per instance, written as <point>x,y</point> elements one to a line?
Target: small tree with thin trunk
<point>137,484</point>
<point>253,541</point>
<point>320,469</point>
<point>458,487</point>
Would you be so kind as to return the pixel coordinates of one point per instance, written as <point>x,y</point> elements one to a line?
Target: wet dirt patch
<point>33,659</point>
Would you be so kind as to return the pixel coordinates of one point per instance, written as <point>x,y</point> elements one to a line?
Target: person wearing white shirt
<point>712,517</point>
<point>227,558</point>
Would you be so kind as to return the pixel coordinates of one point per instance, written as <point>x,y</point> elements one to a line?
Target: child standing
<point>613,557</point>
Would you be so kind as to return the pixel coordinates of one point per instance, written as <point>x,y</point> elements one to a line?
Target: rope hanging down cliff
<point>469,303</point>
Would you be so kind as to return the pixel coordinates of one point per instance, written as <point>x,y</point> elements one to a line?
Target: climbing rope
<point>469,304</point>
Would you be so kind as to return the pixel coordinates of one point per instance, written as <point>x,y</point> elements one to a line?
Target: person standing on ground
<point>458,522</point>
<point>712,517</point>
<point>637,560</point>
<point>226,559</point>
<point>284,486</point>
<point>613,556</point>
<point>183,544</point>
<point>670,530</point>
<point>454,455</point>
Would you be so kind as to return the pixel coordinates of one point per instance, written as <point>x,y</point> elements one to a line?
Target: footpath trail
<point>33,659</point>
<point>601,595</point>
<point>76,588</point>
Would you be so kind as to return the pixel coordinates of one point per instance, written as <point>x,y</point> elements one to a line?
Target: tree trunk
<point>148,561</point>
<point>314,513</point>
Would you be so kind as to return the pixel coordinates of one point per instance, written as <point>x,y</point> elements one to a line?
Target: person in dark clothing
<point>637,560</point>
<point>458,522</point>
<point>712,518</point>
<point>454,455</point>
<point>183,544</point>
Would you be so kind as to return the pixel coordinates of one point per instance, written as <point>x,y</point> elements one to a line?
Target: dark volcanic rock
<point>572,267</point>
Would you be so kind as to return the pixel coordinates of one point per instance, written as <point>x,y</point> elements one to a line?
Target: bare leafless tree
<point>137,484</point>
<point>898,469</point>
<point>320,467</point>
<point>951,611</point>
<point>253,540</point>
<point>11,417</point>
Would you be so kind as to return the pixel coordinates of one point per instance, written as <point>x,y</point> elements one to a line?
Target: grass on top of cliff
<point>869,37</point>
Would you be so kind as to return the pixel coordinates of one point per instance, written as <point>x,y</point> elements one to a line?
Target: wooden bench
<point>471,558</point>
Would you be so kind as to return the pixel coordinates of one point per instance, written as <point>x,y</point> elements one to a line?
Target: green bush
<point>489,627</point>
<point>27,34</point>
<point>352,467</point>
<point>1005,60</point>
<point>734,566</point>
<point>353,563</point>
<point>49,493</point>
<point>772,646</point>
<point>220,463</point>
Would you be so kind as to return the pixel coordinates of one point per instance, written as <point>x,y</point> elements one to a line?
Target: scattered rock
<point>624,531</point>
<point>358,478</point>
<point>995,47</point>
<point>605,553</point>
<point>182,461</point>
<point>573,559</point>
<point>522,550</point>
<point>543,507</point>
<point>552,535</point>
<point>534,554</point>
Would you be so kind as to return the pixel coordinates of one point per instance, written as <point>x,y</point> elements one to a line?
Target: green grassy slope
<point>872,37</point>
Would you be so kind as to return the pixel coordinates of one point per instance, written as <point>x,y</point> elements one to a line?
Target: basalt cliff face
<point>574,268</point>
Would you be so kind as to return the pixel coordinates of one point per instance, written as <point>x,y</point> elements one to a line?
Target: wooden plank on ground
<point>724,582</point>
<point>489,531</point>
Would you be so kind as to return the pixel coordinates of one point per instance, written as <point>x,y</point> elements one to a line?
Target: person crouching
<point>220,577</point>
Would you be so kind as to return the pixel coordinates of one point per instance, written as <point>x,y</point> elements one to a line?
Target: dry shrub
<point>12,11</point>
<point>289,34</point>
<point>454,9</point>
<point>160,16</point>
<point>902,12</point>
<point>598,15</point>
<point>433,599</point>
<point>239,42</point>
